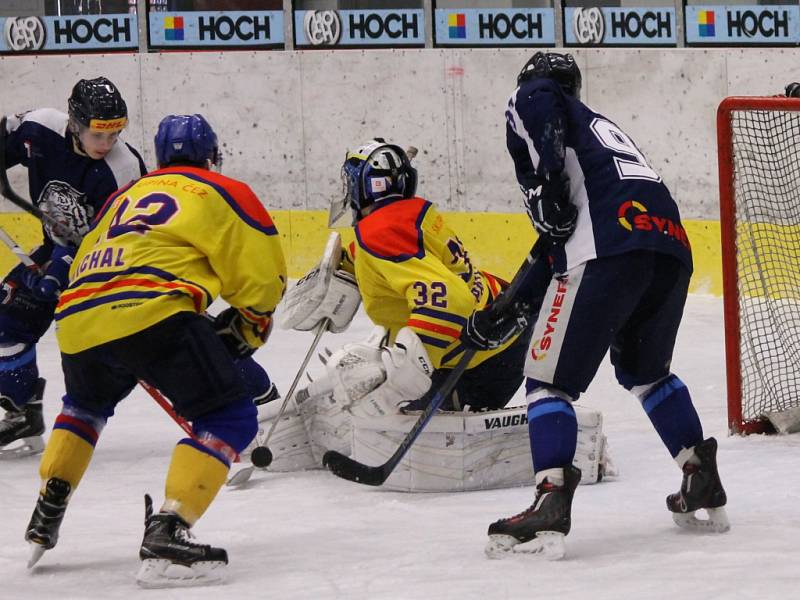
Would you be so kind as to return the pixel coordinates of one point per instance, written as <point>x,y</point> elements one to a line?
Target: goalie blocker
<point>324,292</point>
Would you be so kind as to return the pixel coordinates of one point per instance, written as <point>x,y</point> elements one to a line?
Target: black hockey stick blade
<point>352,470</point>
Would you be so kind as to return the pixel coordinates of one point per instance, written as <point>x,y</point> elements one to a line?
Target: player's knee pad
<point>18,372</point>
<point>231,427</point>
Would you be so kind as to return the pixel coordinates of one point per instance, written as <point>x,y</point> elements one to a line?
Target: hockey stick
<point>261,456</point>
<point>7,191</point>
<point>352,470</point>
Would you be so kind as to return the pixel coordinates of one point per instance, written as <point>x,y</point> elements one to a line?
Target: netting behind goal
<point>759,167</point>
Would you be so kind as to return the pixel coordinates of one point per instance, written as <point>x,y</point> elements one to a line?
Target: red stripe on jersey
<point>440,329</point>
<point>196,294</point>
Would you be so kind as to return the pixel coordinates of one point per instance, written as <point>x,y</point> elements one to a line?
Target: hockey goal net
<point>759,169</point>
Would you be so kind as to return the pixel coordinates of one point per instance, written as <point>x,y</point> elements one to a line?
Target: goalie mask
<point>373,173</point>
<point>561,68</point>
<point>186,140</point>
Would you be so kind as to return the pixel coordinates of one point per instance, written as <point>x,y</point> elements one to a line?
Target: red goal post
<point>758,140</point>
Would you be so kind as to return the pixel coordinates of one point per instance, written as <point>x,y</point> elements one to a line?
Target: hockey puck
<point>261,457</point>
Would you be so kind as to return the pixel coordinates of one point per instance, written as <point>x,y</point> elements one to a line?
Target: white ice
<point>311,535</point>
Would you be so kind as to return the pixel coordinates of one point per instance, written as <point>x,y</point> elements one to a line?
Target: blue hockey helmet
<point>186,140</point>
<point>561,68</point>
<point>375,172</point>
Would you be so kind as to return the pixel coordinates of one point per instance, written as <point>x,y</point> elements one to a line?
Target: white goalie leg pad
<point>158,573</point>
<point>354,371</point>
<point>469,451</point>
<point>290,444</point>
<point>327,422</point>
<point>325,292</point>
<point>408,371</point>
<point>591,454</point>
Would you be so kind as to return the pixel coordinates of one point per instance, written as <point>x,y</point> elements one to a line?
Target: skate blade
<point>22,447</point>
<point>547,544</point>
<point>717,521</point>
<point>158,573</point>
<point>37,551</point>
<point>241,476</point>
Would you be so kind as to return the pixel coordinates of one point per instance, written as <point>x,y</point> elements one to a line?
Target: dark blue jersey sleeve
<point>536,129</point>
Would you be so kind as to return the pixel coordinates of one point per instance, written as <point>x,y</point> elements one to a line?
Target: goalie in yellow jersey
<point>159,252</point>
<point>417,281</point>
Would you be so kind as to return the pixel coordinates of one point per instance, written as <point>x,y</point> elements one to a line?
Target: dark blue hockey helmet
<point>561,68</point>
<point>186,140</point>
<point>375,172</point>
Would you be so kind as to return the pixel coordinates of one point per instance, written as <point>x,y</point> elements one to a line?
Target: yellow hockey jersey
<point>412,270</point>
<point>172,241</point>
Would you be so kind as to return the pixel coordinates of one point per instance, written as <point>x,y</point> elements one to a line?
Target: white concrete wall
<point>285,119</point>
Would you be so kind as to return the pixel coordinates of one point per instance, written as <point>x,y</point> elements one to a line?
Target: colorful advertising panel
<point>68,33</point>
<point>742,24</point>
<point>607,26</point>
<point>495,27</point>
<point>197,29</point>
<point>321,28</point>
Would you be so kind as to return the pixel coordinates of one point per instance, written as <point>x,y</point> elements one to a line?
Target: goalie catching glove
<point>326,292</point>
<point>369,379</point>
<point>242,331</point>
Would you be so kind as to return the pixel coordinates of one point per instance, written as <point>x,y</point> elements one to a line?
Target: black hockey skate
<point>544,524</point>
<point>701,489</point>
<point>171,559</point>
<point>22,428</point>
<point>42,531</point>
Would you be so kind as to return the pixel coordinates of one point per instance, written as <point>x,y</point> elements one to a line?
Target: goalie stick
<point>352,470</point>
<point>243,475</point>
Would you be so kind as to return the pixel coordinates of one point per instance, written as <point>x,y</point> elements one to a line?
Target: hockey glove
<point>550,210</point>
<point>47,286</point>
<point>241,336</point>
<point>793,90</point>
<point>491,327</point>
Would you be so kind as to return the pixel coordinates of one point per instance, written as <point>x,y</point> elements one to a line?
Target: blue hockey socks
<point>553,431</point>
<point>670,409</point>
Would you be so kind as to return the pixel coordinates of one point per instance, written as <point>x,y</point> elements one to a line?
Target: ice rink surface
<point>310,535</point>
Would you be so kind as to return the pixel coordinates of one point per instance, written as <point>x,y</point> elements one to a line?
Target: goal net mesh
<point>766,178</point>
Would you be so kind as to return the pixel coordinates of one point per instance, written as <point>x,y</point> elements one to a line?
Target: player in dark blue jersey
<point>622,263</point>
<point>74,161</point>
